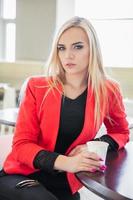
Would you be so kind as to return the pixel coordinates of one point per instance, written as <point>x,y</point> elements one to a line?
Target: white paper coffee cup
<point>98,147</point>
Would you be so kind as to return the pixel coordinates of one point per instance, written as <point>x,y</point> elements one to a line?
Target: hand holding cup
<point>100,148</point>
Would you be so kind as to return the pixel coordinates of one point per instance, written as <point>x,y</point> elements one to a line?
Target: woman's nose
<point>69,54</point>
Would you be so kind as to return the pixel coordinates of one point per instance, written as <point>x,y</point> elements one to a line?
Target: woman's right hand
<point>83,161</point>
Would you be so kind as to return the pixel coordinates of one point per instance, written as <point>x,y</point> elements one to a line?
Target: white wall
<point>35,24</point>
<point>64,10</point>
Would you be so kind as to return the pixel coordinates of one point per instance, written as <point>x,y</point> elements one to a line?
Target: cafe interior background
<point>27,28</point>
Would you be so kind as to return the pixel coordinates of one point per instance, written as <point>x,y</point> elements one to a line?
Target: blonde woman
<point>58,115</point>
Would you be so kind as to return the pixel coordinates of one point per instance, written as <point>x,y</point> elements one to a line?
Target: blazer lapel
<point>51,118</point>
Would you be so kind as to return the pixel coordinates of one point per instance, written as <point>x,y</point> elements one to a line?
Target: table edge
<point>100,188</point>
<point>6,122</point>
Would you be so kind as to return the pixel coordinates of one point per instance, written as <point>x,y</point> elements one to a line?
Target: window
<point>113,21</point>
<point>8,29</point>
<point>10,42</point>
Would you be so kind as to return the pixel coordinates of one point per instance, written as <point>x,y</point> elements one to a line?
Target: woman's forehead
<point>72,35</point>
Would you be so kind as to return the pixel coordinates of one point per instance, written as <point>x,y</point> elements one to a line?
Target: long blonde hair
<point>96,73</point>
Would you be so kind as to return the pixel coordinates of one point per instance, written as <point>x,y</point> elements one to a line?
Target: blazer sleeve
<point>25,142</point>
<point>115,120</point>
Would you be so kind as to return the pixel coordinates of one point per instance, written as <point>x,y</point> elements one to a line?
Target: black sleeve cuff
<point>44,160</point>
<point>113,145</point>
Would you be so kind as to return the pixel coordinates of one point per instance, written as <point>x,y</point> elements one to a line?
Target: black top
<point>71,121</point>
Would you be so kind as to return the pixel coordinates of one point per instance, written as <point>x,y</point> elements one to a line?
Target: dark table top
<point>116,183</point>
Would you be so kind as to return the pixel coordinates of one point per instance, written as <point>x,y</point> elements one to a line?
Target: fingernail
<point>103,167</point>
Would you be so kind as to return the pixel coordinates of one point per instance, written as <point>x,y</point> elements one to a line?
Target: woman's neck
<point>76,81</point>
<point>74,86</point>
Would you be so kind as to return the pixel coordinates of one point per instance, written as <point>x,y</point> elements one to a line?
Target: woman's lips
<point>70,65</point>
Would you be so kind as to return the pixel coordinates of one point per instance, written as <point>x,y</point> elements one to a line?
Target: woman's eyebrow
<point>60,45</point>
<point>77,43</point>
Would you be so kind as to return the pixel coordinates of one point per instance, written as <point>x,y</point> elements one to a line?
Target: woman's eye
<point>61,48</point>
<point>78,46</point>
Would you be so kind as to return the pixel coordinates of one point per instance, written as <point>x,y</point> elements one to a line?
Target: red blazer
<point>38,122</point>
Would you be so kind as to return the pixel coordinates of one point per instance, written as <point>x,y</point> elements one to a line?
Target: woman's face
<point>73,51</point>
